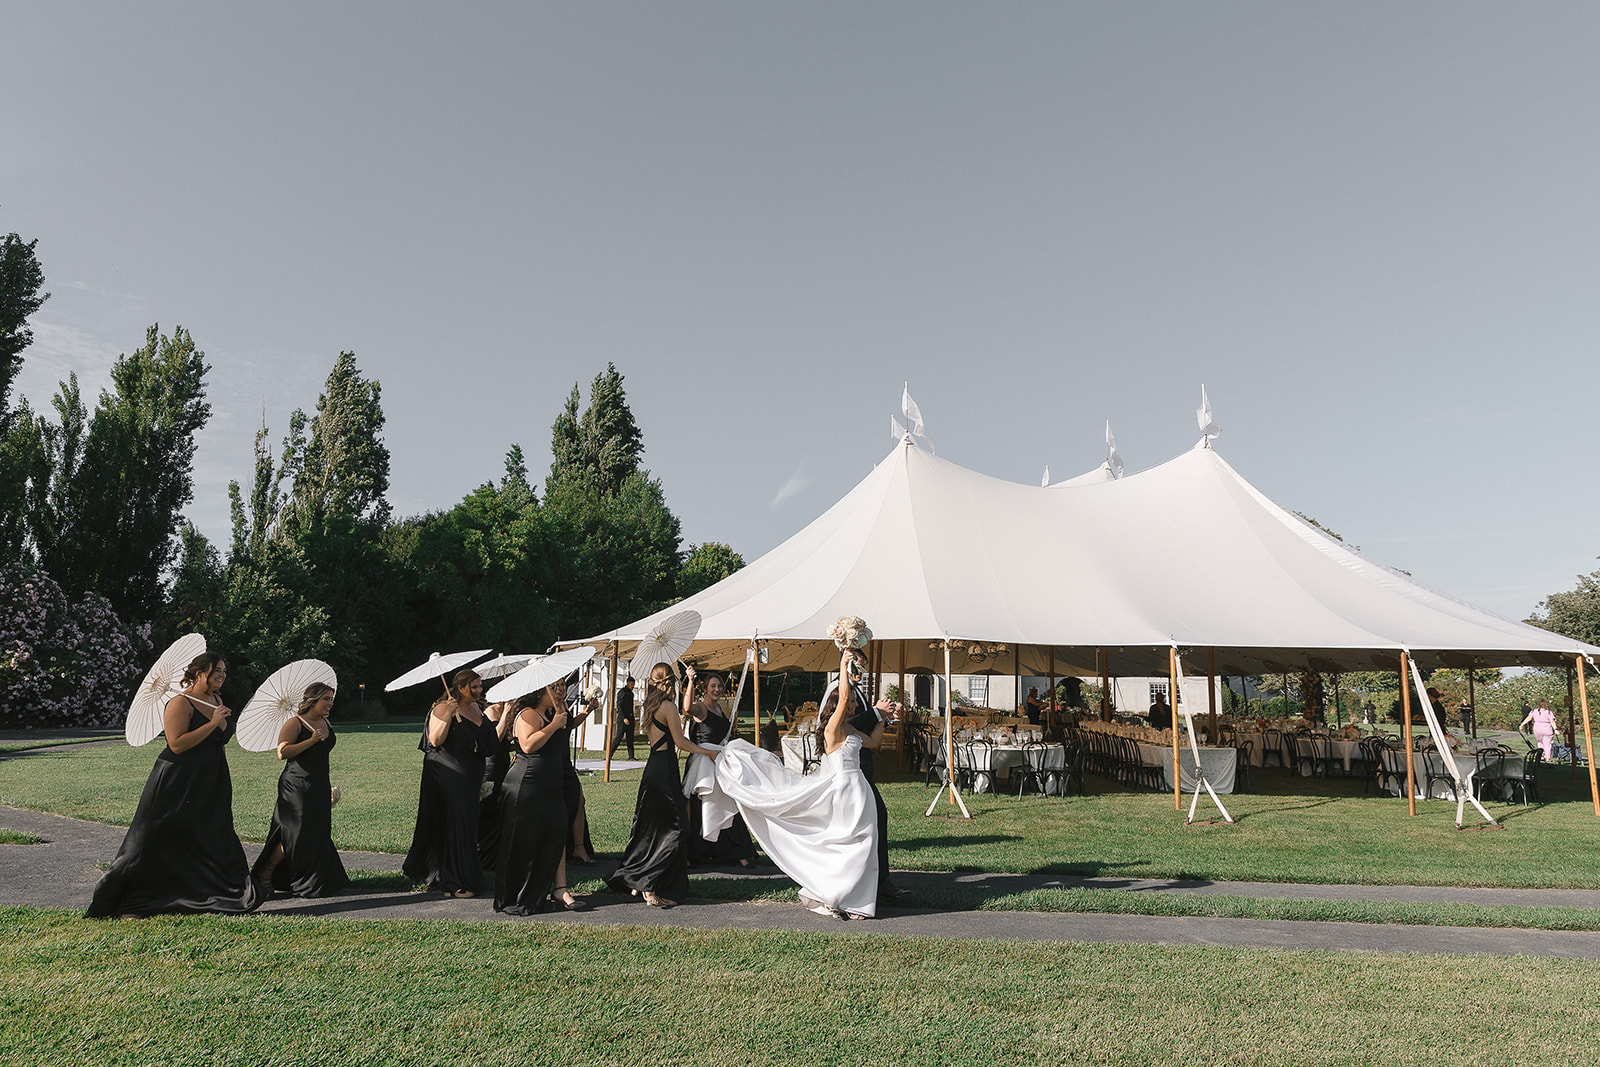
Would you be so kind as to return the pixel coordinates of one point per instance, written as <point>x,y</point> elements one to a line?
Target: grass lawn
<point>289,991</point>
<point>1291,829</point>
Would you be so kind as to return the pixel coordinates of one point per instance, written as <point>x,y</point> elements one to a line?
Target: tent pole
<point>1405,720</point>
<point>1472,702</point>
<point>1588,733</point>
<point>1338,702</point>
<point>1211,690</point>
<point>1572,740</point>
<point>900,756</point>
<point>611,711</point>
<point>949,745</point>
<point>1052,714</point>
<point>755,715</point>
<point>1105,683</point>
<point>1172,703</point>
<point>1016,698</point>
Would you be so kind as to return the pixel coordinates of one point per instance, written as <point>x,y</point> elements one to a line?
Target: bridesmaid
<point>656,862</point>
<point>579,845</point>
<point>299,856</point>
<point>444,847</point>
<point>181,853</point>
<point>530,873</point>
<point>709,726</point>
<point>499,763</point>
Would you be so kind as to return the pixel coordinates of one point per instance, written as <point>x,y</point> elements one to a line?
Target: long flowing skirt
<point>721,847</point>
<point>656,859</point>
<point>821,830</point>
<point>181,853</point>
<point>444,847</point>
<point>533,832</point>
<point>302,822</point>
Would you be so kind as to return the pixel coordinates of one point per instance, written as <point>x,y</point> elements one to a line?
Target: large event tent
<point>1187,553</point>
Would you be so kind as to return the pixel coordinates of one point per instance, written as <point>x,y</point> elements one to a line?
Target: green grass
<point>1291,829</point>
<point>14,837</point>
<point>53,742</point>
<point>289,991</point>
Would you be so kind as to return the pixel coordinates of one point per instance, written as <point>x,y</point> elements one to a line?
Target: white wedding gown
<point>821,830</point>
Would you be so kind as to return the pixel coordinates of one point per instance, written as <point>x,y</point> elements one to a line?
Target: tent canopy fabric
<point>1186,553</point>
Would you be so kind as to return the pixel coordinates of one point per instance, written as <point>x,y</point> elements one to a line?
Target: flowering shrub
<point>63,664</point>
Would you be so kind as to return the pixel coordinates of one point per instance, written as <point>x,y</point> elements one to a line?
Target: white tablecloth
<point>794,753</point>
<point>1429,762</point>
<point>1221,765</point>
<point>1002,757</point>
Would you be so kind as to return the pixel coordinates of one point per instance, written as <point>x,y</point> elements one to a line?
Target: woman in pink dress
<point>1544,727</point>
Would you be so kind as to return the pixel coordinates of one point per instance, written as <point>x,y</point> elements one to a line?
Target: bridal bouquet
<point>850,631</point>
<point>592,694</point>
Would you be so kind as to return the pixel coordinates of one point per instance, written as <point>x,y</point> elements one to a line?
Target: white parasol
<point>437,667</point>
<point>666,642</point>
<point>276,700</point>
<point>540,672</point>
<point>150,699</point>
<point>501,666</point>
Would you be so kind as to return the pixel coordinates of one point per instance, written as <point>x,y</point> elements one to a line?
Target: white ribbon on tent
<point>913,416</point>
<point>1194,748</point>
<point>1113,457</point>
<point>1463,783</point>
<point>1045,482</point>
<point>1208,428</point>
<point>897,433</point>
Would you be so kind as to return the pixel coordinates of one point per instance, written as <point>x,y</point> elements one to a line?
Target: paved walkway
<point>60,872</point>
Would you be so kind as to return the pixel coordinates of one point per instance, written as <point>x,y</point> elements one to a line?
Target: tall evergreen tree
<point>604,444</point>
<point>342,469</point>
<point>120,478</point>
<point>21,278</point>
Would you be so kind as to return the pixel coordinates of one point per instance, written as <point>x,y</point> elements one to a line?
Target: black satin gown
<point>444,847</point>
<point>656,859</point>
<point>495,770</point>
<point>302,822</point>
<point>534,823</point>
<point>181,853</point>
<point>578,839</point>
<point>733,843</point>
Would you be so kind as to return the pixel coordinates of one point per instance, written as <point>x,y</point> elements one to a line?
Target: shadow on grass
<point>917,844</point>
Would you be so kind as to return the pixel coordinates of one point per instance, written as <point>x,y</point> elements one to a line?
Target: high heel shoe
<point>573,901</point>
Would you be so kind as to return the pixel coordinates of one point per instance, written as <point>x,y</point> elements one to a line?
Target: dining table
<point>1000,759</point>
<point>1428,763</point>
<point>1221,765</point>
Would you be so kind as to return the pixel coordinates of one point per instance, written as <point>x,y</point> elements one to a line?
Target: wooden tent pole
<point>755,669</point>
<point>1172,705</point>
<point>900,756</point>
<point>1405,719</point>
<point>1572,739</point>
<point>1211,690</point>
<point>1588,734</point>
<point>1105,684</point>
<point>1052,713</point>
<point>611,711</point>
<point>1472,701</point>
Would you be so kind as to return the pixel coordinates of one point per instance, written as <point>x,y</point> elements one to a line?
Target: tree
<point>604,444</point>
<point>705,565</point>
<point>119,479</point>
<point>341,471</point>
<point>21,278</point>
<point>1575,613</point>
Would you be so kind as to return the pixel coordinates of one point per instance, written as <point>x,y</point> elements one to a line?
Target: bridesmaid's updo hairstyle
<point>204,663</point>
<point>313,693</point>
<point>653,696</point>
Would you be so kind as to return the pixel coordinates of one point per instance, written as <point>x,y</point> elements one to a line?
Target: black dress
<point>181,853</point>
<point>572,791</point>
<point>302,822</point>
<point>534,823</point>
<point>498,765</point>
<point>656,860</point>
<point>732,844</point>
<point>444,847</point>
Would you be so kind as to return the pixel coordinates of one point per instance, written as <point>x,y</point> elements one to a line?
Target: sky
<point>1370,230</point>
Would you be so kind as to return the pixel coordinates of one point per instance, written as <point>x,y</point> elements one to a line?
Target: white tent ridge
<point>1186,553</point>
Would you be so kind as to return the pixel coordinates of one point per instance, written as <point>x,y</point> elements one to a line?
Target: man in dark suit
<point>624,718</point>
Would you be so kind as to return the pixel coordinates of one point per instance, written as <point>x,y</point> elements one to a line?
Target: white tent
<point>1187,553</point>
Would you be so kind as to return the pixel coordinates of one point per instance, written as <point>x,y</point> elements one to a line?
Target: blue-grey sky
<point>1372,230</point>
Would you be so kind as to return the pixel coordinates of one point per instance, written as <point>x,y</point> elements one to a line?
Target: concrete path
<point>60,872</point>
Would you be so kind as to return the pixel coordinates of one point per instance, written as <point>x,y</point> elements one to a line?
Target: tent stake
<point>949,744</point>
<point>1588,735</point>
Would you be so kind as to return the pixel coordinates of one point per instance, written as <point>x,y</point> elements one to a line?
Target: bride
<point>822,829</point>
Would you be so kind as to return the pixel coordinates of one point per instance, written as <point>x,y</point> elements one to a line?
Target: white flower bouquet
<point>849,631</point>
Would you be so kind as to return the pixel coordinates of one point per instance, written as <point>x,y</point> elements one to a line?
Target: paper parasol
<point>276,700</point>
<point>437,667</point>
<point>150,700</point>
<point>542,671</point>
<point>501,666</point>
<point>666,642</point>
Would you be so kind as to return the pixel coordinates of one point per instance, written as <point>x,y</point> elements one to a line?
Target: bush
<point>63,664</point>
